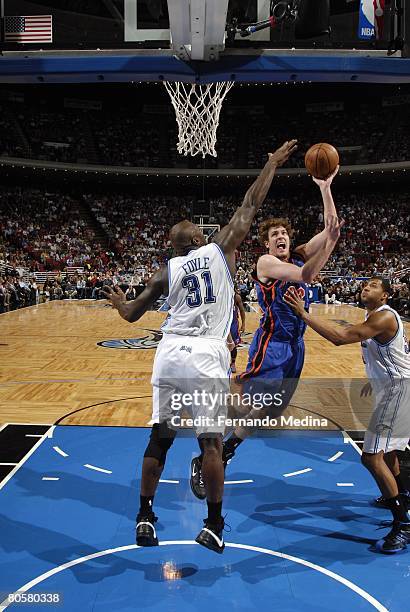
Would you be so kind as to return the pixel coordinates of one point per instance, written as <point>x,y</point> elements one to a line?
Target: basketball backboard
<point>149,21</point>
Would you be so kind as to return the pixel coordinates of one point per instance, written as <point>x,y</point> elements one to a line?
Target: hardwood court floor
<point>52,365</point>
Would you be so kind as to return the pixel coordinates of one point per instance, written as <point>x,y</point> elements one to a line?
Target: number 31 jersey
<point>201,294</point>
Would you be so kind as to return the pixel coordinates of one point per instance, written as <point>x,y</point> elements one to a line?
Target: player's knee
<point>160,441</point>
<point>211,446</point>
<point>371,460</point>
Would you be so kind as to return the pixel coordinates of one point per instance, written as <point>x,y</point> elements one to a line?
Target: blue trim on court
<point>45,524</point>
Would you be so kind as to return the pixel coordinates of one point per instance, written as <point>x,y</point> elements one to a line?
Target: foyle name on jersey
<point>198,263</point>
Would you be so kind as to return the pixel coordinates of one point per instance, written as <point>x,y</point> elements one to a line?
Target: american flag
<point>28,29</point>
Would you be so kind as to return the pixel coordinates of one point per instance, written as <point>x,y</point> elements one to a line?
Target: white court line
<point>349,440</point>
<point>49,478</point>
<point>35,424</point>
<point>336,456</point>
<point>345,484</point>
<point>22,462</point>
<point>296,473</point>
<point>33,435</point>
<point>8,463</point>
<point>59,451</point>
<point>97,469</point>
<point>237,481</point>
<point>4,426</point>
<point>273,553</point>
<point>170,481</point>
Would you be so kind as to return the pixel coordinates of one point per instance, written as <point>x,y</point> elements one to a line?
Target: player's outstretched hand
<point>281,155</point>
<point>325,183</point>
<point>366,390</point>
<point>114,295</point>
<point>294,301</point>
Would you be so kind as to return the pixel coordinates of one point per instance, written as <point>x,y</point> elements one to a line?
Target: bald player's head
<point>186,235</point>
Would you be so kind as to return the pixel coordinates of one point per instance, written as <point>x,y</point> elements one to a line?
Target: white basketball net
<point>197,109</point>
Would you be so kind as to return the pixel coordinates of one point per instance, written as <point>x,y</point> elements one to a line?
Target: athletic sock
<point>230,445</point>
<point>401,486</point>
<point>214,512</point>
<point>146,504</point>
<point>398,509</point>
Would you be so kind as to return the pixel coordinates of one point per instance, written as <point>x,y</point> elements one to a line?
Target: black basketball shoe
<point>196,482</point>
<point>146,534</point>
<point>381,502</point>
<point>211,536</point>
<point>396,540</point>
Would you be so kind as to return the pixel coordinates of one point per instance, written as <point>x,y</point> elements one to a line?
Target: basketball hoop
<point>197,110</point>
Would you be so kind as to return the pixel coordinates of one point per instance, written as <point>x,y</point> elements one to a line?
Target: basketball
<point>321,160</point>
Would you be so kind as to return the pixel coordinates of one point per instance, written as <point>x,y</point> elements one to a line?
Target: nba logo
<point>371,19</point>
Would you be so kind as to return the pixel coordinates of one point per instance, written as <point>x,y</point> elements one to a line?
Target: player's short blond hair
<point>265,226</point>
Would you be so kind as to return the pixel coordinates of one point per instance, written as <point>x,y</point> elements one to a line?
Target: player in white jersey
<point>386,356</point>
<point>193,356</point>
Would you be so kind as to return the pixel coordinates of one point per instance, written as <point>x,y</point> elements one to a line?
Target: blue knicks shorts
<point>273,367</point>
<point>236,337</point>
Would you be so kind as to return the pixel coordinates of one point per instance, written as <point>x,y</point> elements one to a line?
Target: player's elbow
<point>340,340</point>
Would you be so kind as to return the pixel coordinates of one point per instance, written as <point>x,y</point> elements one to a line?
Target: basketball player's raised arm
<point>380,324</point>
<point>133,310</point>
<point>270,266</point>
<point>329,213</point>
<point>232,235</point>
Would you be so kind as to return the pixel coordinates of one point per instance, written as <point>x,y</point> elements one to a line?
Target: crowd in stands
<point>137,229</point>
<point>55,136</point>
<point>145,136</point>
<point>126,139</point>
<point>43,231</point>
<point>374,240</point>
<point>15,292</point>
<point>357,136</point>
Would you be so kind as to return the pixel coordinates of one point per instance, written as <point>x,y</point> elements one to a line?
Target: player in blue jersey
<point>236,328</point>
<point>276,355</point>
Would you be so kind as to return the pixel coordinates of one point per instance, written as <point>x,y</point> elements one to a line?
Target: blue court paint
<point>44,525</point>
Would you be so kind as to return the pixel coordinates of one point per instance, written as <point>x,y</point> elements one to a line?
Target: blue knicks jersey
<point>278,318</point>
